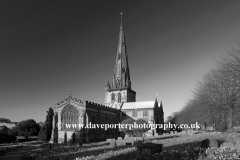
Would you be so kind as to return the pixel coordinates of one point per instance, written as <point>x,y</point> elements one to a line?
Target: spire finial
<point>121,16</point>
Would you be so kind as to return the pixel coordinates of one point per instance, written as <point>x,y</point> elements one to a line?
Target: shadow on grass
<point>188,151</point>
<point>86,153</point>
<point>3,152</point>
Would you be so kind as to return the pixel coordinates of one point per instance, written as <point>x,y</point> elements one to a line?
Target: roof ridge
<point>138,105</point>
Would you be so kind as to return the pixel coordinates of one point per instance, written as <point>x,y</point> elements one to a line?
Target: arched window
<point>119,97</point>
<point>113,97</point>
<point>145,113</point>
<point>70,115</point>
<point>134,113</point>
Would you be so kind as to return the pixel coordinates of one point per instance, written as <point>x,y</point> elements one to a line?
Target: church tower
<point>120,88</point>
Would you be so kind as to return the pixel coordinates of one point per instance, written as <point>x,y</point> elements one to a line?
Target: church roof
<point>138,105</point>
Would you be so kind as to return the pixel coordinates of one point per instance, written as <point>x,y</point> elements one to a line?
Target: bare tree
<point>216,97</point>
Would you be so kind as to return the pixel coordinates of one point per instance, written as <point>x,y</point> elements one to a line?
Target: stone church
<point>120,103</point>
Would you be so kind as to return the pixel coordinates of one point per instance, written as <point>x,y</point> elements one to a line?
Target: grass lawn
<point>94,153</point>
<point>177,152</point>
<point>181,151</point>
<point>184,147</point>
<point>8,148</point>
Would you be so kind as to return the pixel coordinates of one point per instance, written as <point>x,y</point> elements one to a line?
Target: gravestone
<point>119,139</point>
<point>139,138</point>
<point>154,141</point>
<point>108,140</point>
<point>149,149</point>
<point>129,140</point>
<point>209,143</point>
<point>227,145</point>
<point>120,142</point>
<point>190,132</point>
<point>183,133</point>
<point>126,136</point>
<point>112,142</point>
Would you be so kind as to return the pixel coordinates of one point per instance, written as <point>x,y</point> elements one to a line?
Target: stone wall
<point>89,112</point>
<point>127,95</point>
<point>148,118</point>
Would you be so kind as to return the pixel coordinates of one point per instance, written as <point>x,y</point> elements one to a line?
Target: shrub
<point>65,137</point>
<point>126,129</point>
<point>28,128</point>
<point>141,129</point>
<point>73,137</point>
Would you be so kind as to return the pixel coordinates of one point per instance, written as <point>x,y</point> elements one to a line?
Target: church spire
<point>120,88</point>
<point>161,107</point>
<point>121,77</point>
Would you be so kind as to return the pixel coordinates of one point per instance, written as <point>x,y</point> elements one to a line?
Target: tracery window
<point>145,113</point>
<point>70,115</point>
<point>119,97</point>
<point>113,97</point>
<point>152,118</point>
<point>134,113</point>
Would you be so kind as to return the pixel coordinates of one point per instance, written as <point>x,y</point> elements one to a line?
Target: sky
<point>50,49</point>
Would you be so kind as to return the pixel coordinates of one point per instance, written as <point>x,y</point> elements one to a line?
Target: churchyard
<point>4,148</point>
<point>185,145</point>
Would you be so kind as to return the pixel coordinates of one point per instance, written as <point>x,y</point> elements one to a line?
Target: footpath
<point>17,153</point>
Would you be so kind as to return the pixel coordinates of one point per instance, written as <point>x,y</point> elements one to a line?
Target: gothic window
<point>70,115</point>
<point>145,112</point>
<point>113,97</point>
<point>152,118</point>
<point>134,113</point>
<point>119,97</point>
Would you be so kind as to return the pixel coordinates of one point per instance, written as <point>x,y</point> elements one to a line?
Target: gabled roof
<point>115,105</point>
<point>69,99</point>
<point>138,105</point>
